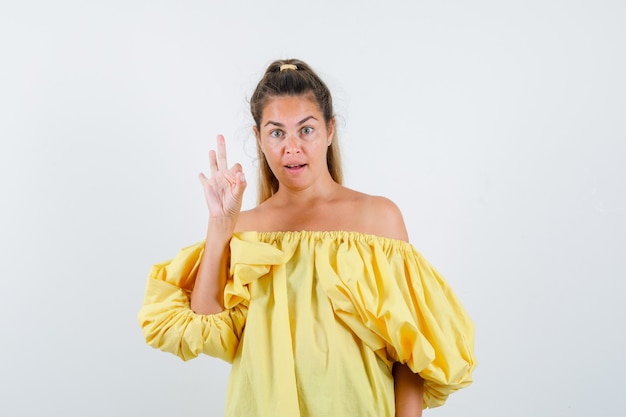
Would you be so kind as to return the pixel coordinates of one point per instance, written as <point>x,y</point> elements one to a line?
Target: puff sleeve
<point>401,307</point>
<point>169,324</point>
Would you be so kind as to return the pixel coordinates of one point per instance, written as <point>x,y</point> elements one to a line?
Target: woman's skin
<point>294,139</point>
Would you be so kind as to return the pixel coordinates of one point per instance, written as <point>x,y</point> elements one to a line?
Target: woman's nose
<point>292,144</point>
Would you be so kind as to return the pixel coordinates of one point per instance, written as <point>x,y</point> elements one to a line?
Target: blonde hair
<point>292,77</point>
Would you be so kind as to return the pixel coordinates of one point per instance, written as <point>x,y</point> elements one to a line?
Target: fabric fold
<point>169,324</point>
<point>254,259</point>
<point>402,308</point>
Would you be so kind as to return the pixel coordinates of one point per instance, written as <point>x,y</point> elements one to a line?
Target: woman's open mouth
<point>295,167</point>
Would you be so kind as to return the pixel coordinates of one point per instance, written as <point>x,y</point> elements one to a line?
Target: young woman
<point>315,295</point>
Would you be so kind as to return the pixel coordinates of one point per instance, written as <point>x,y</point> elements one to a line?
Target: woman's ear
<point>257,135</point>
<point>331,131</point>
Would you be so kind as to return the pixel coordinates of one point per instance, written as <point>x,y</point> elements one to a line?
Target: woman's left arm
<point>409,391</point>
<point>408,386</point>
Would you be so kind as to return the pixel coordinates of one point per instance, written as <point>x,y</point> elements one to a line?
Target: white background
<point>498,127</point>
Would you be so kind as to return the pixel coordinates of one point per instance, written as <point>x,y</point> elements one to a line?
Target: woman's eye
<point>276,133</point>
<point>307,130</point>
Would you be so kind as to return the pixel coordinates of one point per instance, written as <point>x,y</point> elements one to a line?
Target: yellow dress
<point>314,322</point>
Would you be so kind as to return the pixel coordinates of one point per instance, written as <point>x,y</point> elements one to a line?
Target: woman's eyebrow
<point>306,119</point>
<point>270,122</point>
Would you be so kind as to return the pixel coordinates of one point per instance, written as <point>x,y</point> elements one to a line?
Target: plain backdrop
<point>498,128</point>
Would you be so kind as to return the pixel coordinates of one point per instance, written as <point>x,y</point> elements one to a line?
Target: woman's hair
<point>292,77</point>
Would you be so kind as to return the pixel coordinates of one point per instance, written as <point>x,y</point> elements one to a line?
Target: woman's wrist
<point>221,226</point>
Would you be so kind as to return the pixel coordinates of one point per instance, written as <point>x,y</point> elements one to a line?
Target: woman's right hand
<point>224,190</point>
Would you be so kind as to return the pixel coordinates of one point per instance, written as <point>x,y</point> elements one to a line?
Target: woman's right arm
<point>223,192</point>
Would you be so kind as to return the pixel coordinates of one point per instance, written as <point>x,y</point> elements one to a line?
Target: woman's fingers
<point>212,163</point>
<point>222,164</point>
<point>240,180</point>
<point>224,189</point>
<point>217,160</point>
<point>236,168</point>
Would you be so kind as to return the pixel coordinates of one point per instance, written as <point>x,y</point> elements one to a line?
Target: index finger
<point>221,153</point>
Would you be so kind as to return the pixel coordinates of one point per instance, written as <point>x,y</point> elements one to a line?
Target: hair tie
<point>288,67</point>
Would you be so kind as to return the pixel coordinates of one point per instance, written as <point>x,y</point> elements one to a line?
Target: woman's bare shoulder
<point>349,210</point>
<point>248,220</point>
<point>378,215</point>
<point>260,218</point>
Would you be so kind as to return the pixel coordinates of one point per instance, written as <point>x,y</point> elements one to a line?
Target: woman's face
<point>294,139</point>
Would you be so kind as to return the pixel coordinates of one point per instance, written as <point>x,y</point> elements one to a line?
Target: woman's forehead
<point>290,109</point>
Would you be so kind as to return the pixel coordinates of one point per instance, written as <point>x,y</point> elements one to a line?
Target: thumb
<point>241,184</point>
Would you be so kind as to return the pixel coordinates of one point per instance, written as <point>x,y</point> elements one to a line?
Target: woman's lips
<point>295,167</point>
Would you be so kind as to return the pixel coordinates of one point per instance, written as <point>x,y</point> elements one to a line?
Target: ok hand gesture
<point>224,190</point>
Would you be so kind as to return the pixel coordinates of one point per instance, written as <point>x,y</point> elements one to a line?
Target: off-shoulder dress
<point>314,321</point>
